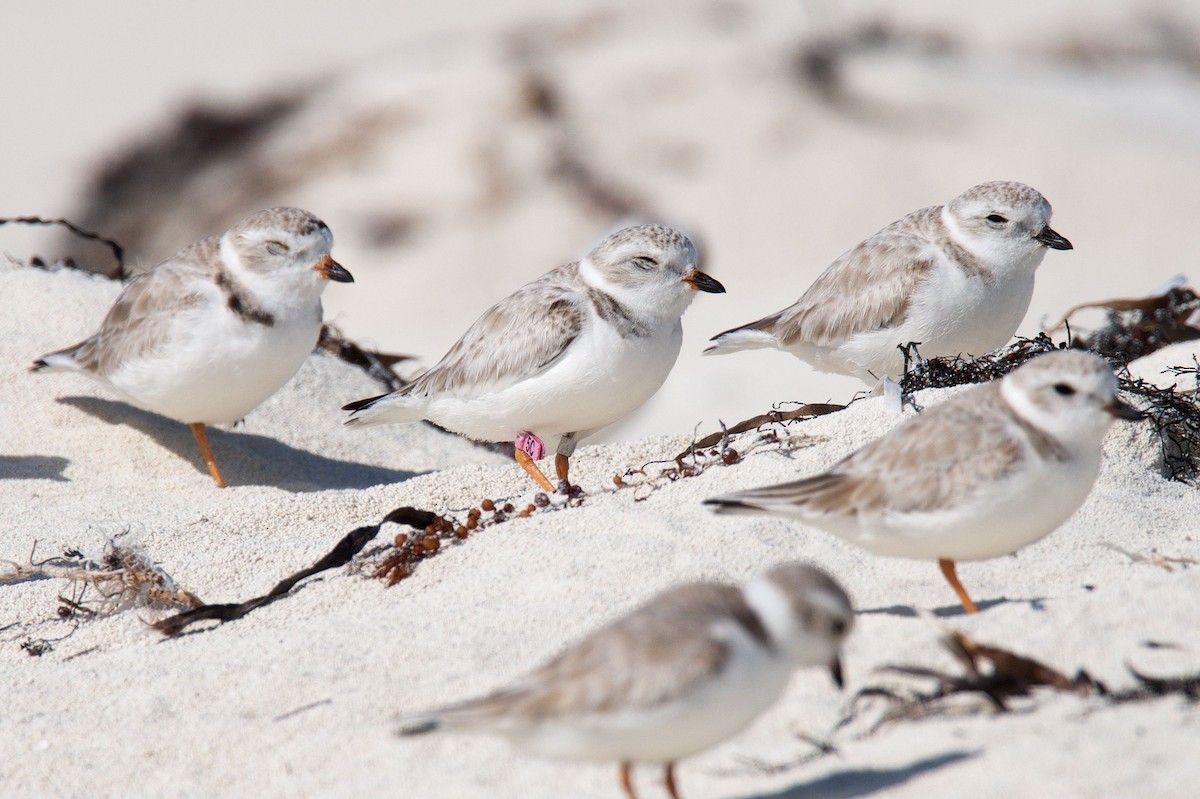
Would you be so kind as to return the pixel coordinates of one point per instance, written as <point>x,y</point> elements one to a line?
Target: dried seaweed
<point>1155,558</point>
<point>349,546</point>
<point>377,365</point>
<point>1139,326</point>
<point>117,250</point>
<point>922,373</point>
<point>772,417</point>
<point>397,561</point>
<point>998,675</point>
<point>1174,416</point>
<point>122,577</point>
<point>1185,685</point>
<point>820,66</point>
<point>125,196</point>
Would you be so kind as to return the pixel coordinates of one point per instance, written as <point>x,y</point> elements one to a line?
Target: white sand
<point>694,110</point>
<point>199,716</point>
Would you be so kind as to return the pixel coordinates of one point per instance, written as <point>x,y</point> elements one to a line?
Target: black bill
<point>1053,240</point>
<point>332,270</point>
<point>835,670</point>
<point>702,282</point>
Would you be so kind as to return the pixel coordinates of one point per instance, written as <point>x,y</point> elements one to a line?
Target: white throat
<point>279,291</point>
<point>651,303</point>
<point>773,609</point>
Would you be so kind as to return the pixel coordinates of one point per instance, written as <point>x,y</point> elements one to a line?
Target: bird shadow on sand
<point>955,610</point>
<point>244,458</point>
<point>852,783</point>
<point>33,467</point>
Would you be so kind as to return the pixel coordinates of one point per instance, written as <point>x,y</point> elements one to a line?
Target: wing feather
<point>658,654</point>
<point>930,463</point>
<point>868,288</point>
<point>512,340</point>
<point>142,318</point>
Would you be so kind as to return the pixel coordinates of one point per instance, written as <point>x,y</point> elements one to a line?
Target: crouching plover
<point>983,474</point>
<point>955,278</point>
<point>210,333</point>
<point>690,668</point>
<point>565,355</point>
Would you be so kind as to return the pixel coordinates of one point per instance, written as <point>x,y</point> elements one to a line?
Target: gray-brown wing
<point>929,463</point>
<point>661,652</point>
<point>142,317</point>
<point>867,288</point>
<point>512,340</point>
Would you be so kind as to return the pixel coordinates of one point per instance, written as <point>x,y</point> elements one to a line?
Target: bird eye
<point>276,247</point>
<point>996,219</point>
<point>1063,389</point>
<point>644,262</point>
<point>838,627</point>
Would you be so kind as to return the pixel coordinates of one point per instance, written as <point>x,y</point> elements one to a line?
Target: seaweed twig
<point>117,250</point>
<point>349,546</point>
<point>377,365</point>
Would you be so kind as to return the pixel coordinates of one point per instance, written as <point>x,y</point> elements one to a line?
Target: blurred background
<point>458,150</point>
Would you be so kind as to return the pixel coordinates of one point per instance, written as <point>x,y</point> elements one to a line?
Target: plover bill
<point>211,332</point>
<point>992,469</point>
<point>693,666</point>
<point>565,355</point>
<point>955,278</point>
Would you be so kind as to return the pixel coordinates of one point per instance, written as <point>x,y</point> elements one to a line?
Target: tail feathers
<point>60,361</point>
<point>417,725</point>
<point>383,409</point>
<point>362,404</point>
<point>732,505</point>
<point>741,338</point>
<point>832,492</point>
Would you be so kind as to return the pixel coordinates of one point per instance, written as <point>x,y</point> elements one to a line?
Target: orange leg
<point>562,464</point>
<point>669,772</point>
<point>531,468</point>
<point>952,578</point>
<point>626,783</point>
<point>202,440</point>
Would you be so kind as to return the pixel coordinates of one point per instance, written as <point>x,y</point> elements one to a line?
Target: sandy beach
<point>427,153</point>
<point>297,698</point>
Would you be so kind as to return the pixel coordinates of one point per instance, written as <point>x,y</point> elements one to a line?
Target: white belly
<point>1020,511</point>
<point>750,684</point>
<point>952,314</point>
<point>599,380</point>
<point>218,369</point>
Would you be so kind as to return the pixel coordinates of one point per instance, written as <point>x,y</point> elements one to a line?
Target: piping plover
<point>565,355</point>
<point>985,473</point>
<point>690,668</point>
<point>956,278</point>
<point>211,332</point>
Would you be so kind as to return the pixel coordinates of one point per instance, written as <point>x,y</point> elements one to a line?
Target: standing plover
<point>211,332</point>
<point>955,278</point>
<point>565,355</point>
<point>983,474</point>
<point>690,668</point>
